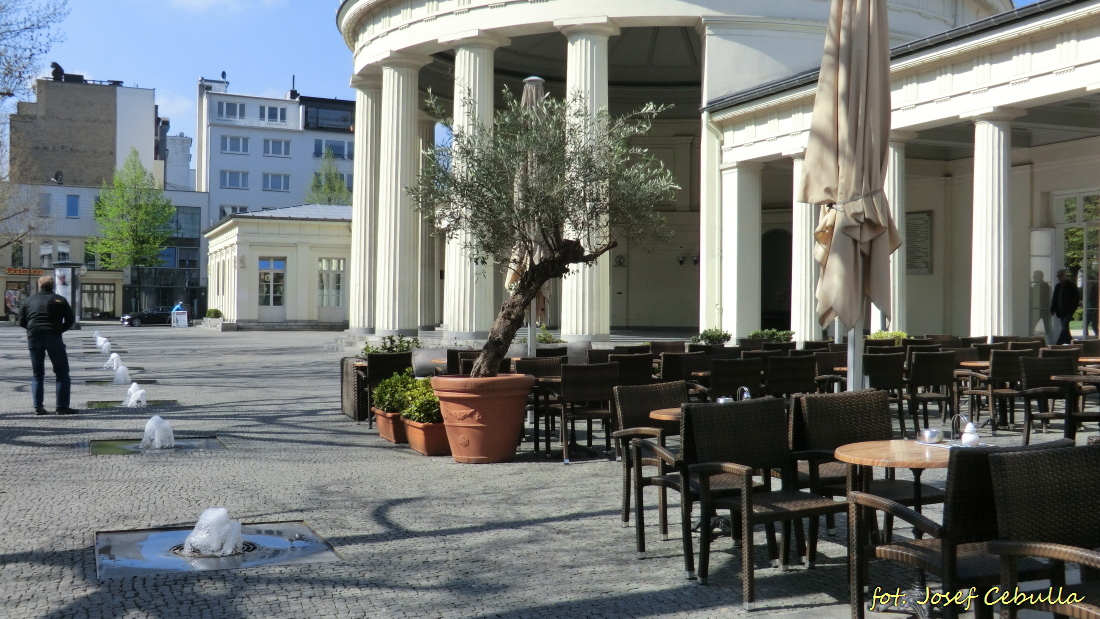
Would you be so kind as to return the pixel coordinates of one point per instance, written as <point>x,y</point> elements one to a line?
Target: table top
<point>980,365</point>
<point>895,453</point>
<point>548,380</point>
<point>841,369</point>
<point>443,361</point>
<point>1088,360</point>
<point>667,414</point>
<point>1088,379</point>
<point>701,374</point>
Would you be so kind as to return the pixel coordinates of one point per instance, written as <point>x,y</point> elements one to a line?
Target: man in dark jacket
<point>46,316</point>
<point>1063,304</point>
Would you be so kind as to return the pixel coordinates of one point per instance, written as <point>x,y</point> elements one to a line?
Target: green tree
<point>135,220</point>
<point>328,185</point>
<point>546,187</point>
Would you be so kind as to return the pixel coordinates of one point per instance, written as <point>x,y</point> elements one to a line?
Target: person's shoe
<point>67,411</point>
<point>40,410</point>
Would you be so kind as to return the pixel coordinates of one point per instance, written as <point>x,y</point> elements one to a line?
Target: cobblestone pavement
<point>421,537</point>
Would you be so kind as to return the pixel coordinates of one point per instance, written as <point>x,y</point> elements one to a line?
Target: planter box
<point>429,439</point>
<point>390,426</point>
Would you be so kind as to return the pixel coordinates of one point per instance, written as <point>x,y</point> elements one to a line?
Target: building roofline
<point>249,216</point>
<point>949,36</point>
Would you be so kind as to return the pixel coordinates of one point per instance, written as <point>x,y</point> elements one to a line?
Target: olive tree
<point>545,190</point>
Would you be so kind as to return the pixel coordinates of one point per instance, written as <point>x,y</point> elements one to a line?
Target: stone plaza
<point>420,536</point>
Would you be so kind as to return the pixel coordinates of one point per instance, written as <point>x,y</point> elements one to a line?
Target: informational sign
<point>63,283</point>
<point>918,243</point>
<point>22,271</point>
<point>179,319</point>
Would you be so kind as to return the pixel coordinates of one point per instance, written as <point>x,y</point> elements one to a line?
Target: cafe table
<point>915,456</point>
<point>1069,382</point>
<point>667,414</point>
<point>975,365</point>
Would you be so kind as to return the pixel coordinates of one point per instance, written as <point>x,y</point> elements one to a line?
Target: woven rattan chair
<point>598,355</point>
<point>709,349</point>
<point>779,346</point>
<point>552,351</point>
<point>956,551</point>
<point>659,347</point>
<point>887,373</point>
<point>380,366</point>
<point>877,343</point>
<point>750,344</point>
<point>727,376</point>
<point>918,341</point>
<point>1053,521</point>
<point>353,379</point>
<point>964,376</point>
<point>800,353</point>
<point>631,349</point>
<point>586,393</point>
<point>985,349</point>
<point>632,407</point>
<point>997,339</point>
<point>1089,348</point>
<point>542,367</point>
<point>671,369</point>
<point>689,365</point>
<point>466,363</point>
<point>1035,385</point>
<point>725,352</point>
<point>915,348</point>
<point>452,361</point>
<point>882,350</point>
<point>762,354</point>
<point>816,345</point>
<point>930,379</point>
<point>1073,352</point>
<point>1026,345</point>
<point>1001,387</point>
<point>737,442</point>
<point>838,347</point>
<point>942,337</point>
<point>977,339</point>
<point>634,368</point>
<point>828,379</point>
<point>790,376</point>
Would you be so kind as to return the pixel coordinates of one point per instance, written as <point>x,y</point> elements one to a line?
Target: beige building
<point>281,266</point>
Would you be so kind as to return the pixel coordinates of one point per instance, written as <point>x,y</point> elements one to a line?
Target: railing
<point>253,122</point>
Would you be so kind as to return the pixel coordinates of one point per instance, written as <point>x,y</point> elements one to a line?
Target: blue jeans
<point>40,345</point>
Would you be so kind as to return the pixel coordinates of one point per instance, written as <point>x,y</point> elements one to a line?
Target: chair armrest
<point>661,452</point>
<point>641,432</point>
<point>971,374</point>
<point>898,511</point>
<point>1058,552</point>
<point>836,377</point>
<point>813,454</point>
<point>715,468</point>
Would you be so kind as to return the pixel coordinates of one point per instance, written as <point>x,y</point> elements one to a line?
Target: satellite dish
<point>57,177</point>
<point>223,75</point>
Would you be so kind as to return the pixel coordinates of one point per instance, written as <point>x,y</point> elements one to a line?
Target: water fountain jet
<point>113,362</point>
<point>122,375</point>
<point>215,535</point>
<point>158,434</point>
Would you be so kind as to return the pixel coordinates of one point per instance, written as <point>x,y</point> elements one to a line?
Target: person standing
<point>1063,304</point>
<point>46,316</point>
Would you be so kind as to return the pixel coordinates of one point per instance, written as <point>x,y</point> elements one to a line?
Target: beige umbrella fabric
<point>845,164</point>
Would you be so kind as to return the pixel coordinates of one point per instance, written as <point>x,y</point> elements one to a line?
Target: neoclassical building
<point>992,177</point>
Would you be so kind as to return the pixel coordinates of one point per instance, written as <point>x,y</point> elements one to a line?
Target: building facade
<point>254,153</point>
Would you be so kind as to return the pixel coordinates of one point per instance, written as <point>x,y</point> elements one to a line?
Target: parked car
<point>151,316</point>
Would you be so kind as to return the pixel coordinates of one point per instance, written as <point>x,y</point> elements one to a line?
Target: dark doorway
<point>775,280</point>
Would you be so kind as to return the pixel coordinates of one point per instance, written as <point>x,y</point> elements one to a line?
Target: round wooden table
<point>1088,360</point>
<point>1070,380</point>
<point>893,454</point>
<point>667,414</point>
<point>975,365</point>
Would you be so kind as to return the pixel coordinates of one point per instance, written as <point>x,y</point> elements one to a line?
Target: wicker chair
<point>1035,384</point>
<point>541,367</point>
<point>915,348</point>
<point>883,350</point>
<point>634,368</point>
<point>380,366</point>
<point>997,339</point>
<point>801,353</point>
<point>1090,348</point>
<point>697,362</point>
<point>779,346</point>
<point>631,349</point>
<point>930,379</point>
<point>1001,387</point>
<point>964,377</point>
<point>453,363</point>
<point>709,349</point>
<point>586,393</point>
<point>942,337</point>
<point>736,439</point>
<point>466,363</point>
<point>1053,521</point>
<point>1073,352</point>
<point>658,347</point>
<point>762,354</point>
<point>838,347</point>
<point>977,339</point>
<point>750,344</point>
<point>816,345</point>
<point>670,365</point>
<point>918,341</point>
<point>985,349</point>
<point>1026,345</point>
<point>827,377</point>
<point>887,372</point>
<point>632,407</point>
<point>727,376</point>
<point>790,376</point>
<point>552,351</point>
<point>1042,339</point>
<point>957,551</point>
<point>877,343</point>
<point>598,355</point>
<point>352,382</point>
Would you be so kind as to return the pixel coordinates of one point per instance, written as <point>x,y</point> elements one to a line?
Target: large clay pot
<point>429,439</point>
<point>484,416</point>
<point>390,426</point>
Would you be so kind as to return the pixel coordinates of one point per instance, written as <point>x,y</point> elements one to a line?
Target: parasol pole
<point>855,334</point>
<point>531,313</point>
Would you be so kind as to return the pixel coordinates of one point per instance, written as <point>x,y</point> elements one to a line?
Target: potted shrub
<point>712,337</point>
<point>896,336</point>
<point>391,396</point>
<point>390,343</point>
<point>550,186</point>
<point>424,422</point>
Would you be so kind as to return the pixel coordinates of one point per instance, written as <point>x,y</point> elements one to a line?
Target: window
<point>341,149</point>
<point>188,257</point>
<point>234,144</point>
<point>346,179</point>
<point>230,110</point>
<point>89,257</point>
<point>272,281</point>
<point>72,206</point>
<point>234,180</point>
<point>17,254</point>
<point>273,114</point>
<point>45,254</point>
<point>228,209</point>
<point>323,118</point>
<point>44,200</point>
<point>330,283</point>
<point>276,182</point>
<point>97,299</point>
<point>277,148</point>
<point>167,257</point>
<point>63,251</point>
<point>188,222</point>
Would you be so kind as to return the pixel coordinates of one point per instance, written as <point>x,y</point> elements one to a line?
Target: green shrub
<point>545,337</point>
<point>390,343</point>
<point>771,335</point>
<point>889,335</point>
<point>712,337</point>
<point>423,406</point>
<point>213,313</point>
<point>393,394</point>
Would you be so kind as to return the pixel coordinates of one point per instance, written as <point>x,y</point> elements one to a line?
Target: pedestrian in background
<point>46,316</point>
<point>1063,304</point>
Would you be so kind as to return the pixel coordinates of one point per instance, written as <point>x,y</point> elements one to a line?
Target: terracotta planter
<point>390,426</point>
<point>484,416</point>
<point>429,439</point>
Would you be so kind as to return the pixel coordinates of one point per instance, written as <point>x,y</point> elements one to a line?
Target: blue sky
<point>168,44</point>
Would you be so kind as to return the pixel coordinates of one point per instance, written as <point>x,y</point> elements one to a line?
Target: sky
<point>168,45</point>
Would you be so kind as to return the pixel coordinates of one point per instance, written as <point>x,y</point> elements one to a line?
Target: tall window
<point>188,222</point>
<point>272,281</point>
<point>277,148</point>
<point>230,110</point>
<point>273,114</point>
<point>234,180</point>
<point>234,144</point>
<point>277,182</point>
<point>63,251</point>
<point>330,283</point>
<point>45,254</point>
<point>72,206</point>
<point>17,254</point>
<point>89,257</point>
<point>188,257</point>
<point>341,149</point>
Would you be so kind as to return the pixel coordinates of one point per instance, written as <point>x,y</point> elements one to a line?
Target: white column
<point>894,187</point>
<point>428,270</point>
<point>364,203</point>
<point>468,308</point>
<point>586,303</point>
<point>991,251</point>
<point>710,226</point>
<point>396,288</point>
<point>741,204</point>
<point>803,266</point>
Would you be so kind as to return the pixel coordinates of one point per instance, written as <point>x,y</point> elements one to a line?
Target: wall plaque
<point>918,243</point>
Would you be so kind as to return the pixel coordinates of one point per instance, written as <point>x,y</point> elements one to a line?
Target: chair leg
<point>639,517</point>
<point>685,531</point>
<point>784,544</point>
<point>1027,421</point>
<point>748,594</point>
<point>901,417</point>
<point>662,511</point>
<point>773,547</point>
<point>924,409</point>
<point>588,427</point>
<point>627,468</point>
<point>704,544</point>
<point>566,421</point>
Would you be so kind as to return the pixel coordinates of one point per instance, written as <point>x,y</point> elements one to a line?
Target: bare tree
<point>27,30</point>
